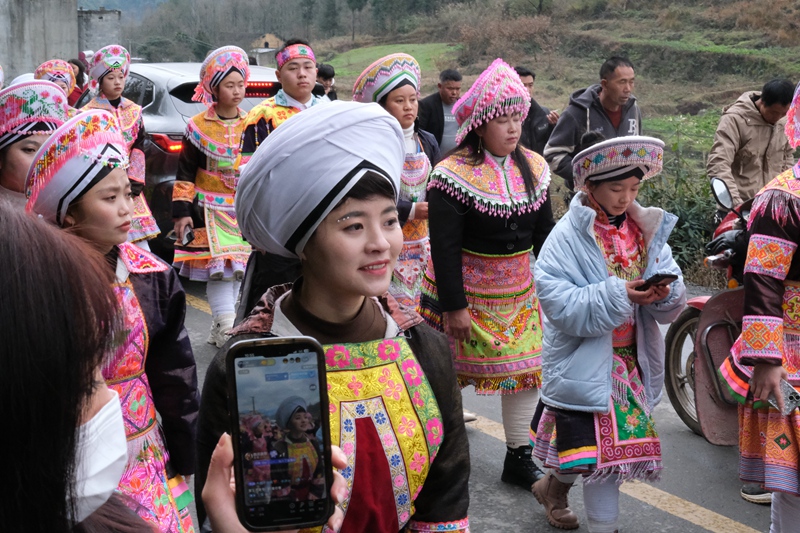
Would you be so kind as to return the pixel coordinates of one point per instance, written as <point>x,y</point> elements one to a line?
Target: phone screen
<point>281,435</point>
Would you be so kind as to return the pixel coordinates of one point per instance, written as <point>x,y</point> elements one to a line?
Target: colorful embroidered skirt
<point>503,354</point>
<point>621,442</point>
<point>146,482</point>
<point>769,448</point>
<point>217,252</point>
<point>407,277</point>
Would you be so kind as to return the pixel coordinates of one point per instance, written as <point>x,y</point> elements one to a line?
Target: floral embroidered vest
<point>381,405</point>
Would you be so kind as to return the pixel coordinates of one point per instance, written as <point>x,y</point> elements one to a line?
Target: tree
<point>307,12</point>
<point>329,19</point>
<point>355,6</point>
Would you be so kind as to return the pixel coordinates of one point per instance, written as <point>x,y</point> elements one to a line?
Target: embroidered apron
<point>410,269</point>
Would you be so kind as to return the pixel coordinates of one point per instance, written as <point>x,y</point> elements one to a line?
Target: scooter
<point>700,339</point>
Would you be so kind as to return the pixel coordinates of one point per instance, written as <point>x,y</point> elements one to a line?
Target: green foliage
<point>329,18</point>
<point>683,188</point>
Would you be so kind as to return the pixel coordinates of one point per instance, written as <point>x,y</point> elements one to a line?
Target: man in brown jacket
<point>750,146</point>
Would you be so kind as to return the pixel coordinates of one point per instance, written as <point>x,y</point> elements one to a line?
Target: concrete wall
<point>99,28</point>
<point>33,31</point>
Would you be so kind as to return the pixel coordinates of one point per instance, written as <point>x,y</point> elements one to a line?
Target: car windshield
<point>255,93</point>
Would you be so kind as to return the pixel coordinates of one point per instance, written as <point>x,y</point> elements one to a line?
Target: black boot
<point>519,468</point>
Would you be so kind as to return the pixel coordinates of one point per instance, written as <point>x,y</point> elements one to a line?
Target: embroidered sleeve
<point>183,191</point>
<point>136,168</point>
<point>769,256</point>
<point>775,230</point>
<point>458,525</point>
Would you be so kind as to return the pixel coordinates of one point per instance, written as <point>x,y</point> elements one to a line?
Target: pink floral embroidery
<point>407,427</point>
<point>417,463</point>
<point>404,517</point>
<point>355,386</point>
<point>385,375</point>
<point>337,356</point>
<point>393,390</point>
<point>412,372</point>
<point>358,362</point>
<point>347,448</point>
<point>331,408</point>
<point>388,440</point>
<point>417,400</point>
<point>435,432</point>
<point>399,481</point>
<point>389,350</point>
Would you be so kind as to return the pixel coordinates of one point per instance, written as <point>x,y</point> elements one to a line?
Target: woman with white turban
<point>323,188</point>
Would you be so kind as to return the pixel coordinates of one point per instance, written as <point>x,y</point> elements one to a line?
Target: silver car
<point>165,90</point>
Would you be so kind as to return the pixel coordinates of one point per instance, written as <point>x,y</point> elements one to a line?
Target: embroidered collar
<point>495,190</point>
<point>134,260</point>
<point>214,137</point>
<point>283,99</point>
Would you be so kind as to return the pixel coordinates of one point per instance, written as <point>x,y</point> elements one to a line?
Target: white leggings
<point>785,512</point>
<point>601,501</point>
<point>518,410</point>
<point>222,296</point>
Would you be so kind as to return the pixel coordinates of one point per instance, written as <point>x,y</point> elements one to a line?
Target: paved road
<point>699,490</point>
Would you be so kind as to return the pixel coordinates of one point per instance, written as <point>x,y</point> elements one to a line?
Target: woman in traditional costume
<point>393,82</point>
<point>603,358</point>
<point>78,182</point>
<point>304,470</point>
<point>61,73</point>
<point>768,348</point>
<point>205,187</point>
<point>488,207</point>
<point>29,113</point>
<point>109,70</point>
<point>79,70</point>
<point>323,188</point>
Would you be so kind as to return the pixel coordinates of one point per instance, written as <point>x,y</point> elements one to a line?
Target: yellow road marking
<point>198,303</point>
<point>664,501</point>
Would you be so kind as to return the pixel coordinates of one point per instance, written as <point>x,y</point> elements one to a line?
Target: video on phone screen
<point>280,431</point>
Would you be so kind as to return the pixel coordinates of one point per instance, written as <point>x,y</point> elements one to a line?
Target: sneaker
<point>552,494</point>
<point>519,468</point>
<point>753,493</point>
<point>469,416</point>
<point>220,325</point>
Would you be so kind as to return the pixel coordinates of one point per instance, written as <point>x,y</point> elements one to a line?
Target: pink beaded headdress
<point>70,162</point>
<point>623,156</point>
<point>107,59</point>
<point>216,67</point>
<point>56,70</point>
<point>31,107</point>
<point>793,120</point>
<point>294,51</point>
<point>497,91</point>
<point>384,75</point>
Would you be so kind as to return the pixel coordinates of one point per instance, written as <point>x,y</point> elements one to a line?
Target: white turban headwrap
<point>307,165</point>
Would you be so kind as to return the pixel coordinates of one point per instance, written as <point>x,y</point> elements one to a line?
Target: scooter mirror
<point>722,193</point>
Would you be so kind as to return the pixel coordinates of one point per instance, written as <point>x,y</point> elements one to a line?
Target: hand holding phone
<point>657,279</point>
<point>278,415</point>
<point>791,398</point>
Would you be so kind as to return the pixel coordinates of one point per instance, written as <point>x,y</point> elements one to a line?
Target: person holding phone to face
<point>323,188</point>
<point>768,349</point>
<point>78,182</point>
<point>603,356</point>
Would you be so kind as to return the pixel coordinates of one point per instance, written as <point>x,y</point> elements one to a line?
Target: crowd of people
<point>413,238</point>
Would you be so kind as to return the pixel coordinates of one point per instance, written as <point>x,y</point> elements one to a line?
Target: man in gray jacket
<point>608,108</point>
<point>750,146</point>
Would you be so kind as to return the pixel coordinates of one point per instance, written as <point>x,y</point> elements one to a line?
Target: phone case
<point>791,398</point>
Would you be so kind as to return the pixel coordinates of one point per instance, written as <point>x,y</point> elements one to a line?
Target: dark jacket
<point>585,113</point>
<point>444,496</point>
<point>170,366</point>
<point>431,149</point>
<point>431,116</point>
<point>536,129</point>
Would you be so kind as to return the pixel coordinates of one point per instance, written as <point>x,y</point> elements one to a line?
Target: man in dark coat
<point>608,108</point>
<point>540,121</point>
<point>436,110</point>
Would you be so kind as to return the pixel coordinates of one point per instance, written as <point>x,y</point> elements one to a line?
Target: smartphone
<point>278,412</point>
<point>791,398</point>
<point>188,235</point>
<point>658,279</point>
